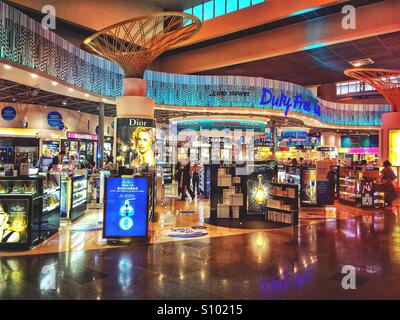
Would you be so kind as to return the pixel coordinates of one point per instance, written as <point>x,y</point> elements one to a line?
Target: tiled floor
<point>300,262</point>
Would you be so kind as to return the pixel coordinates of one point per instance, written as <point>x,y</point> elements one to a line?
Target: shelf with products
<point>20,186</point>
<point>74,195</point>
<point>282,204</point>
<point>79,202</point>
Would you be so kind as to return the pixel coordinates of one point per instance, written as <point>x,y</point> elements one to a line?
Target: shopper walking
<point>178,176</point>
<point>196,178</point>
<point>387,178</point>
<point>331,176</point>
<point>186,179</point>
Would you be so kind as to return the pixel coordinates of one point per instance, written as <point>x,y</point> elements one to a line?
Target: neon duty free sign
<point>296,103</point>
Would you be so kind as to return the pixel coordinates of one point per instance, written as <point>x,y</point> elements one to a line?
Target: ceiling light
<point>86,95</point>
<point>361,62</point>
<point>54,83</point>
<point>34,76</point>
<point>7,67</point>
<point>70,89</point>
<point>64,102</point>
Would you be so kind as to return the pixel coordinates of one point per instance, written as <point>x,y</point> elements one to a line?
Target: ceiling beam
<point>372,20</point>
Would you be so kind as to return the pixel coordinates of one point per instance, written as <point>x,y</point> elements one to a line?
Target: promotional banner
<point>8,113</point>
<point>126,207</point>
<point>135,140</point>
<point>323,187</point>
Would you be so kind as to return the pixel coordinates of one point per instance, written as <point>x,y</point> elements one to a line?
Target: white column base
<point>141,107</point>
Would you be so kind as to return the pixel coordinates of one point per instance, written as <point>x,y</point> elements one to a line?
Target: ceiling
<point>321,65</point>
<point>312,14</point>
<point>177,4</point>
<point>12,92</point>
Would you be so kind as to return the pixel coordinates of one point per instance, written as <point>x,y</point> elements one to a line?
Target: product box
<point>227,199</point>
<point>222,210</point>
<point>235,212</point>
<point>228,192</point>
<point>221,172</point>
<point>291,192</point>
<point>237,199</point>
<point>236,180</point>
<point>225,180</point>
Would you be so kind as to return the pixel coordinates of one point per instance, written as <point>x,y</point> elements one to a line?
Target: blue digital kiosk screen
<point>126,207</point>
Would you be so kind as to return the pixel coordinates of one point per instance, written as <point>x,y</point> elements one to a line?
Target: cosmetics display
<point>29,210</point>
<point>283,203</point>
<point>308,188</point>
<point>359,186</point>
<point>232,198</point>
<point>74,194</point>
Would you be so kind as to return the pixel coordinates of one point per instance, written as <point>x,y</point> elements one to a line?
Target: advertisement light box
<point>126,207</point>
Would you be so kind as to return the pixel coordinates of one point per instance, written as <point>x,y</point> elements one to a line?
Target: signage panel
<point>126,207</point>
<point>54,119</point>
<point>8,113</point>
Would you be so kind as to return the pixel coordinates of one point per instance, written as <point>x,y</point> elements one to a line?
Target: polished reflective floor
<point>302,262</point>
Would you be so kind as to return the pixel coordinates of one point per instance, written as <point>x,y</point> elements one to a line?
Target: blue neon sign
<point>296,103</point>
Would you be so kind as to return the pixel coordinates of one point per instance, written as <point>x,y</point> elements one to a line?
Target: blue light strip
<point>246,92</point>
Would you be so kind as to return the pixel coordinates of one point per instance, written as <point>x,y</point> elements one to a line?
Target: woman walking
<point>387,178</point>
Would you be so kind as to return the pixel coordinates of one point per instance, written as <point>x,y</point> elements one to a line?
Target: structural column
<point>101,134</point>
<point>390,138</point>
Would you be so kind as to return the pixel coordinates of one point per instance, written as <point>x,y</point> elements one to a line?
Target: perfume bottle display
<point>126,212</point>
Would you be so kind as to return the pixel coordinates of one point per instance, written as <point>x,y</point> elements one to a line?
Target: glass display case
<point>50,219</point>
<point>21,206</point>
<point>80,191</point>
<point>308,188</point>
<point>74,193</point>
<point>24,186</point>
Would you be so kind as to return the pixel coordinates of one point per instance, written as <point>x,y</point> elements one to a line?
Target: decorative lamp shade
<point>135,43</point>
<point>386,82</point>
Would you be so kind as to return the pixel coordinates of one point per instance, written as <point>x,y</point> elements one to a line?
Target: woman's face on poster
<point>144,142</point>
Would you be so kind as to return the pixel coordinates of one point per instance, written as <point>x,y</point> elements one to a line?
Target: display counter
<point>250,192</point>
<point>74,194</point>
<point>29,210</point>
<point>358,186</point>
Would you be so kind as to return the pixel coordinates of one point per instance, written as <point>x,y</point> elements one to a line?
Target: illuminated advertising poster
<point>14,220</point>
<point>394,147</point>
<point>135,142</point>
<point>126,207</point>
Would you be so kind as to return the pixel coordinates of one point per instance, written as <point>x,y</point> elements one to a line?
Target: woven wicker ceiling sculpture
<point>386,82</point>
<point>135,43</point>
